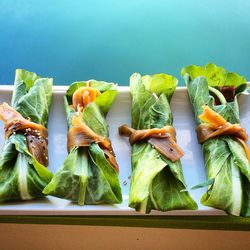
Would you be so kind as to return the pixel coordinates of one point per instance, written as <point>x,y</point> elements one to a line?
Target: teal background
<point>111,39</point>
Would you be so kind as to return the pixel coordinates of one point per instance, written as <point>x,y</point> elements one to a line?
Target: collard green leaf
<point>216,76</point>
<point>167,187</point>
<point>94,118</point>
<point>36,100</point>
<point>225,159</point>
<point>22,177</point>
<point>108,186</point>
<point>86,176</point>
<point>71,179</point>
<point>160,83</point>
<point>105,100</point>
<point>156,182</point>
<point>245,209</point>
<point>28,78</point>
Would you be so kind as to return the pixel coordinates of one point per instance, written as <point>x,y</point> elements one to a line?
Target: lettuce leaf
<point>22,177</point>
<point>156,182</point>
<point>86,177</point>
<point>225,159</point>
<point>216,76</point>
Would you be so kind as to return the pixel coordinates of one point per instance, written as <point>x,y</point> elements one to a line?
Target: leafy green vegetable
<point>225,159</point>
<point>86,176</point>
<point>22,177</point>
<point>156,182</point>
<point>216,76</point>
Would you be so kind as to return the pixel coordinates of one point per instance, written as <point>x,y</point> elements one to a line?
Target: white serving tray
<point>120,112</point>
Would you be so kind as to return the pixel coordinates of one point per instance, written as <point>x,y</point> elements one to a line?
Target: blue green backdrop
<point>111,39</point>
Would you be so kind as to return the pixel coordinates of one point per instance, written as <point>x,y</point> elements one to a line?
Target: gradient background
<point>111,39</point>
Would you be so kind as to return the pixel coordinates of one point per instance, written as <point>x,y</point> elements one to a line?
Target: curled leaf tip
<point>216,76</point>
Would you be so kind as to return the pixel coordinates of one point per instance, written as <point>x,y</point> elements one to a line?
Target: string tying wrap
<point>80,135</point>
<point>162,139</point>
<point>36,134</point>
<point>215,125</point>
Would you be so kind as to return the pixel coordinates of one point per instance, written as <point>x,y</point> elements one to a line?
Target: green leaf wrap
<point>22,177</point>
<point>86,176</point>
<point>156,182</point>
<point>224,157</point>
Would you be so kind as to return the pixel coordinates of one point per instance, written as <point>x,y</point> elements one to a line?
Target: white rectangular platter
<point>120,113</point>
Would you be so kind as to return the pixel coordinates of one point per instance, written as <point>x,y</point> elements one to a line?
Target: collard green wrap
<point>86,176</point>
<point>227,166</point>
<point>22,177</point>
<point>156,182</point>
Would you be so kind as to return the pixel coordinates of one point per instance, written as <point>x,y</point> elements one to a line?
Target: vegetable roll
<point>213,93</point>
<point>89,174</point>
<point>23,162</point>
<point>157,180</point>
